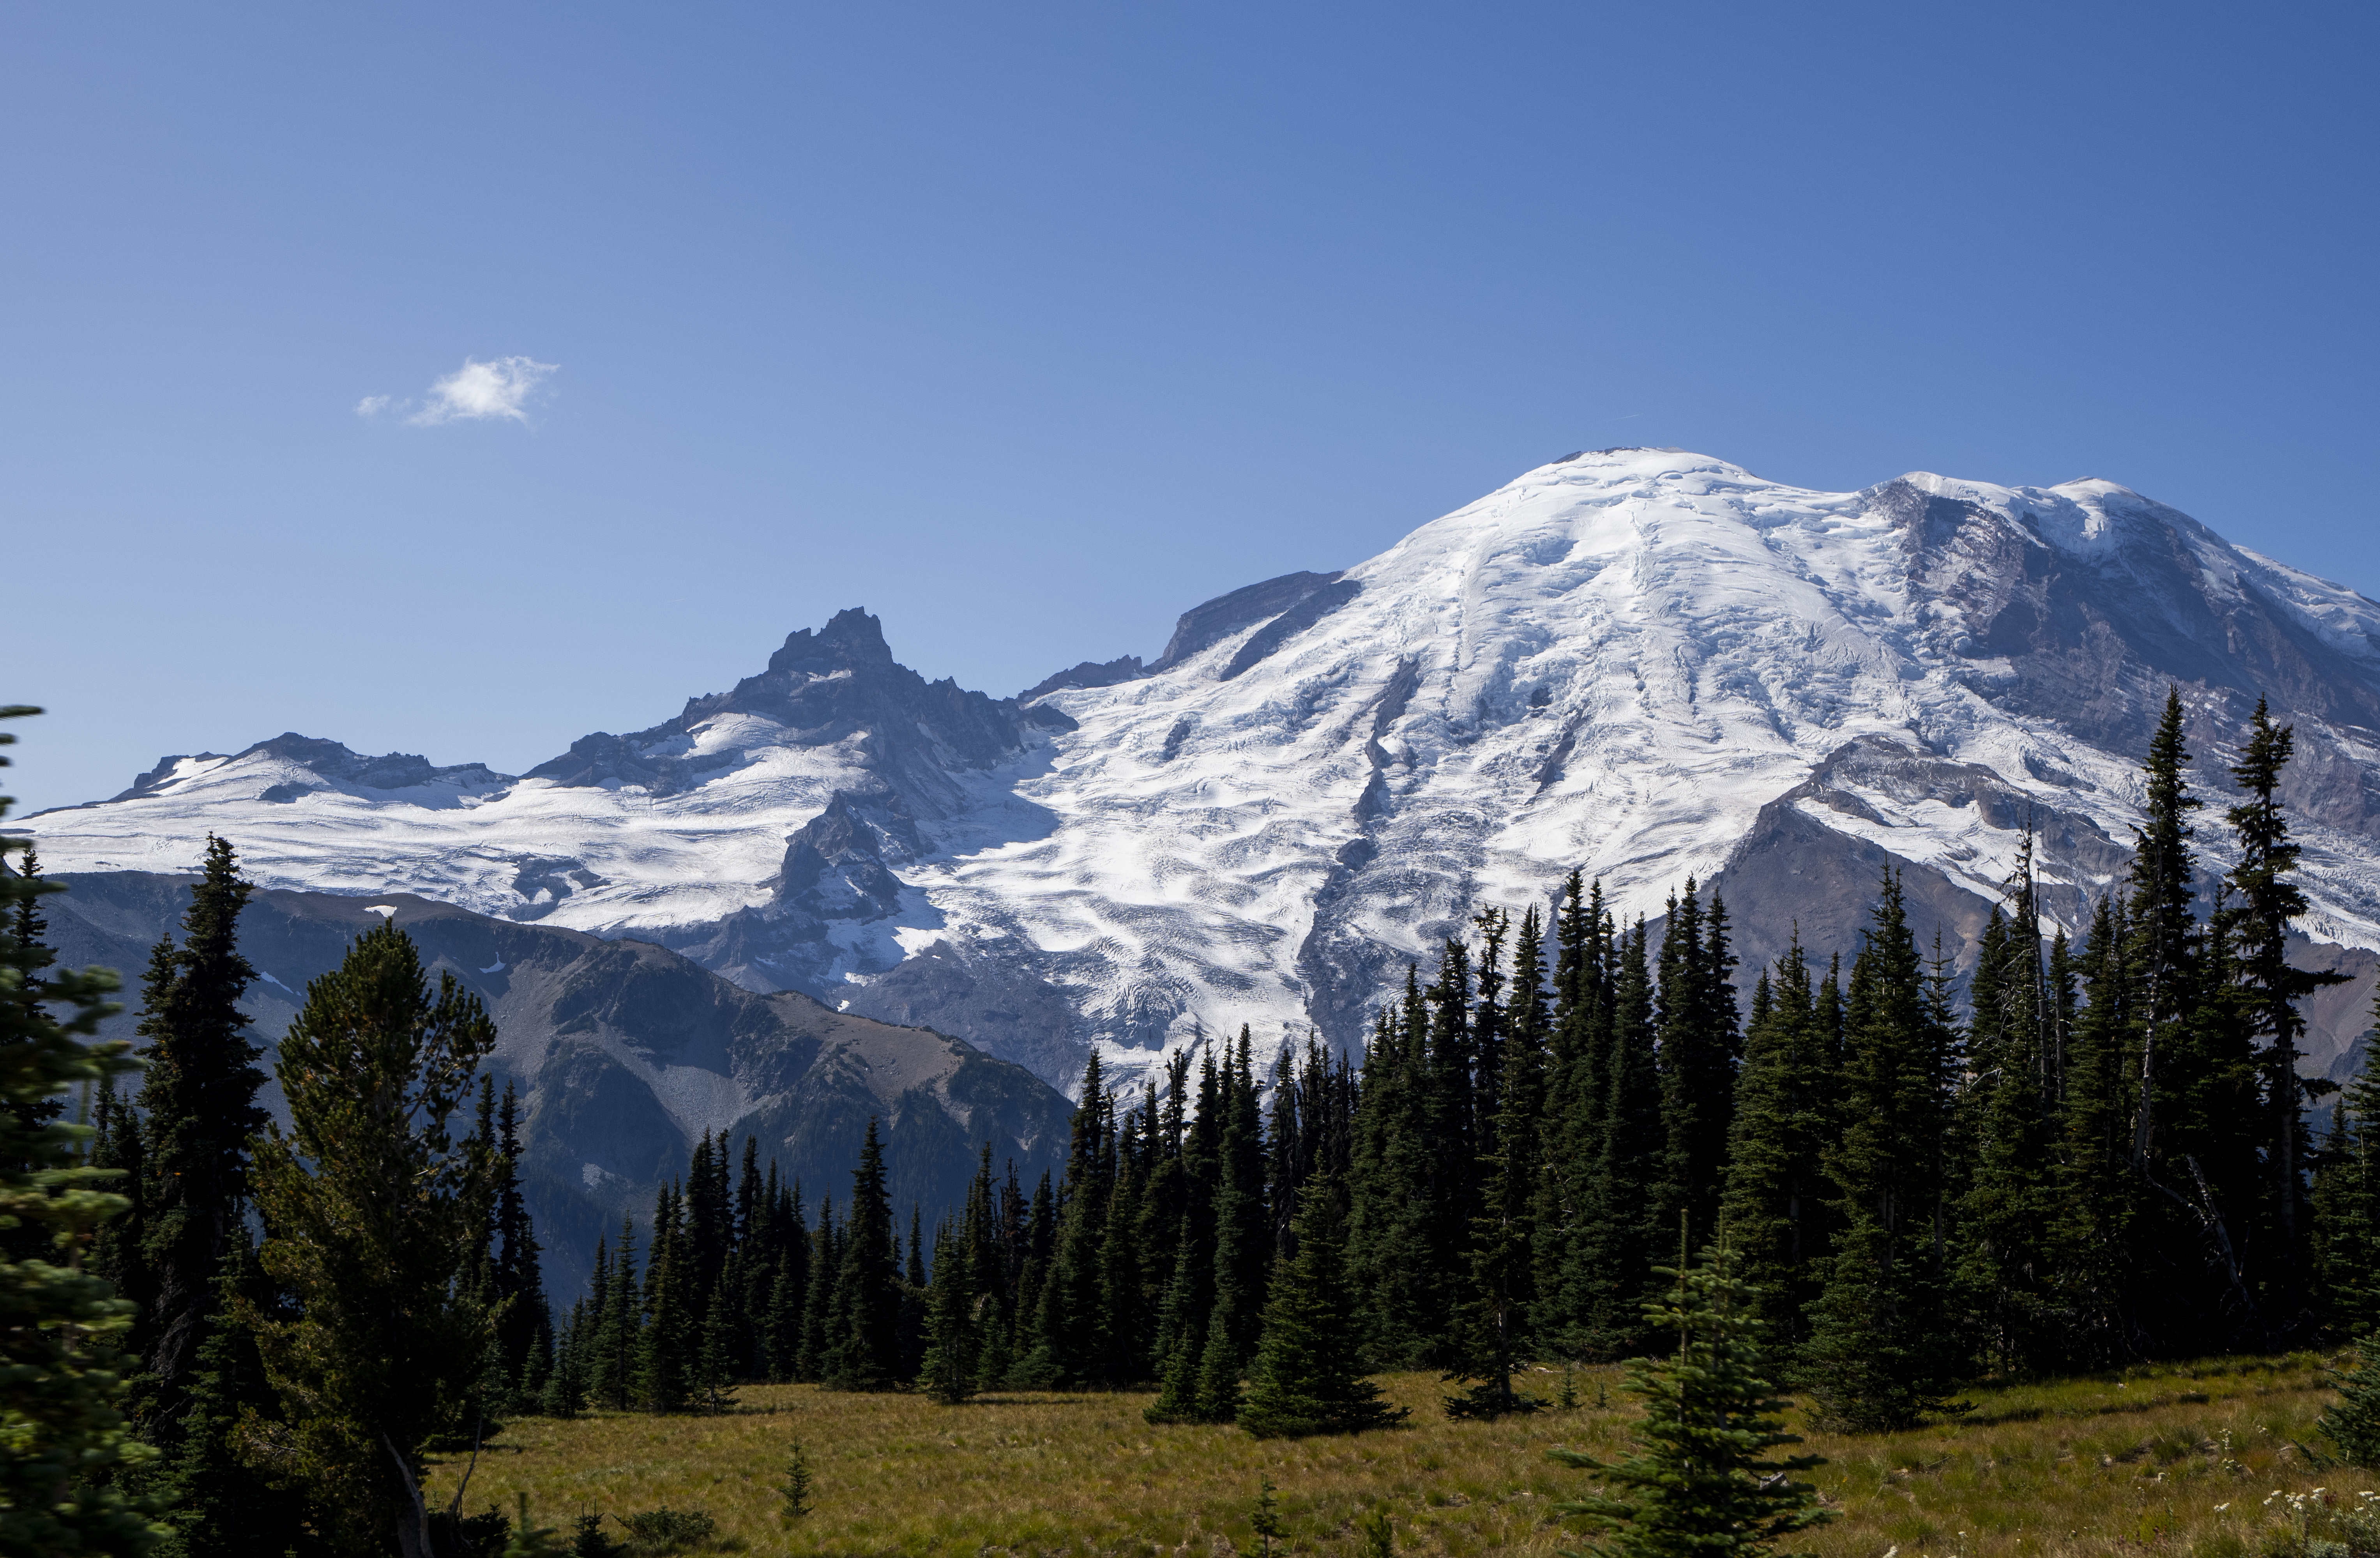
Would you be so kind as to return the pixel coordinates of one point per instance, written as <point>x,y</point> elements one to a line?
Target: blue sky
<point>1028,326</point>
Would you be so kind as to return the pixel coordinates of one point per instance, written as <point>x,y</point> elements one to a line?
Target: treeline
<point>1148,1259</point>
<point>222,1337</point>
<point>2101,1154</point>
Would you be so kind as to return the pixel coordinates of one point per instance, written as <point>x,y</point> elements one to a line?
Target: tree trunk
<point>412,1519</point>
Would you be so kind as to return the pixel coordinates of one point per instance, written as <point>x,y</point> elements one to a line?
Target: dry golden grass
<point>2176,1459</point>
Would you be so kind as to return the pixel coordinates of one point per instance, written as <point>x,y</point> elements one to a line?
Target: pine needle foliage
<point>1701,1481</point>
<point>2353,1422</point>
<point>371,1208</point>
<point>1305,1379</point>
<point>62,1433</point>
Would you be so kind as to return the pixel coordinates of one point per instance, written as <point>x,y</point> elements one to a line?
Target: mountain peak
<point>852,638</point>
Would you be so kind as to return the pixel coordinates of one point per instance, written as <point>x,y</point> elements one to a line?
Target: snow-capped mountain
<point>1645,664</point>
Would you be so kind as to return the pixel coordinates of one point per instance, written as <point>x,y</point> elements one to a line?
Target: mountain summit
<point>1645,664</point>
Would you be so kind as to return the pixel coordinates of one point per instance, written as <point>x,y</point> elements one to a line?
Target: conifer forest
<point>236,1335</point>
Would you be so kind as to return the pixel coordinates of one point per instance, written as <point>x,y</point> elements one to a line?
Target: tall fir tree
<point>2092,1231</point>
<point>2265,904</point>
<point>1189,1300</point>
<point>818,1298</point>
<point>1577,1046</point>
<point>1243,1243</point>
<point>864,1351</point>
<point>1883,1347</point>
<point>223,1506</point>
<point>2185,1277</point>
<point>1698,1049</point>
<point>2345,1255</point>
<point>671,1335</point>
<point>199,1111</point>
<point>949,1374</point>
<point>1612,1265</point>
<point>524,1325</point>
<point>1494,1319</point>
<point>618,1313</point>
<point>1774,1212</point>
<point>1400,1243</point>
<point>2010,1202</point>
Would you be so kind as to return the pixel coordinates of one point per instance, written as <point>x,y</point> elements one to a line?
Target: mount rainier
<point>1645,664</point>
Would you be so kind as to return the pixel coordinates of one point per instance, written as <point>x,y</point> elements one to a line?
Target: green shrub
<point>665,1530</point>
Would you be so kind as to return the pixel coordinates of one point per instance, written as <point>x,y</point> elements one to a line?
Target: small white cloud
<point>482,392</point>
<point>371,406</point>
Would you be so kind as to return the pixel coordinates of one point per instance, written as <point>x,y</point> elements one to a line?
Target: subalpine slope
<point>626,1053</point>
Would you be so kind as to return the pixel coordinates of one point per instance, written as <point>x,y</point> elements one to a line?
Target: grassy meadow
<point>2177,1459</point>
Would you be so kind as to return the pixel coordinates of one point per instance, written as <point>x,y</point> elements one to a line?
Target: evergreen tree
<point>670,1339</point>
<point>524,1326</point>
<point>714,1369</point>
<point>910,1343</point>
<point>200,1111</point>
<point>116,1144</point>
<point>1494,1318</point>
<point>1701,1480</point>
<point>1306,1378</point>
<point>1127,1305</point>
<point>1610,1261</point>
<point>1698,1049</point>
<point>1183,1321</point>
<point>2353,1422</point>
<point>782,1332</point>
<point>2347,1205</point>
<point>25,949</point>
<point>949,1373</point>
<point>1774,1214</point>
<point>818,1307</point>
<point>2192,1113</point>
<point>863,1354</point>
<point>2268,902</point>
<point>1242,1243</point>
<point>1399,1242</point>
<point>1578,1045</point>
<point>617,1310</point>
<point>367,1209</point>
<point>564,1391</point>
<point>2091,1230</point>
<point>2011,1205</point>
<point>987,1279</point>
<point>1071,1341</point>
<point>60,1383</point>
<point>1882,1348</point>
<point>222,1507</point>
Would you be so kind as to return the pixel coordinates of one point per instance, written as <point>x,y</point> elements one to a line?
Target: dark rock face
<point>839,684</point>
<point>1125,668</point>
<point>2092,638</point>
<point>1218,619</point>
<point>838,869</point>
<point>1317,606</point>
<point>626,1052</point>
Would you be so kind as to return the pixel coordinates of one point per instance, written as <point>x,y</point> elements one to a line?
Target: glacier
<point>1648,665</point>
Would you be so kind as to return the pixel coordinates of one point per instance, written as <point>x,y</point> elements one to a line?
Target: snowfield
<point>1615,663</point>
